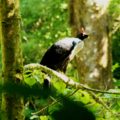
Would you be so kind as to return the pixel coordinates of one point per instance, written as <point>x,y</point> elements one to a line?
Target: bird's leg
<point>46,83</point>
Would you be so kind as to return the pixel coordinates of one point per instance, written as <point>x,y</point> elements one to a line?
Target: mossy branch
<point>64,78</point>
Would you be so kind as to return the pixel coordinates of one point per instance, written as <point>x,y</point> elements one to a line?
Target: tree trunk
<point>94,61</point>
<point>12,64</point>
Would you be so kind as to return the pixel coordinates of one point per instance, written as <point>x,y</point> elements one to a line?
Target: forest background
<point>48,21</point>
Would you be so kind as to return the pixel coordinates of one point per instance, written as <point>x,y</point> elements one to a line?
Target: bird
<point>62,52</point>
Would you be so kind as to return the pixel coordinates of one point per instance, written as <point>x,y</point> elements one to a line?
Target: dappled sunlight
<point>104,55</point>
<point>67,66</point>
<point>102,2</point>
<point>95,73</point>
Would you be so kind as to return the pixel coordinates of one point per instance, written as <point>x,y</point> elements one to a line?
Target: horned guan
<point>61,52</point>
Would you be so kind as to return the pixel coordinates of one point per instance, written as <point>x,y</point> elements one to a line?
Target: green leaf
<point>30,81</point>
<point>44,117</point>
<point>59,85</point>
<point>115,66</point>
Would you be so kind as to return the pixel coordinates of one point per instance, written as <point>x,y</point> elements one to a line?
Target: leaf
<point>30,81</point>
<point>115,66</point>
<point>60,86</point>
<point>44,117</point>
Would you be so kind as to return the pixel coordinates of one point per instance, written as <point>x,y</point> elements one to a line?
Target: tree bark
<point>12,64</point>
<point>94,61</point>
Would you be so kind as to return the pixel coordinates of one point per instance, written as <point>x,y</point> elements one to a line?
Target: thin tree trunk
<point>94,61</point>
<point>12,65</point>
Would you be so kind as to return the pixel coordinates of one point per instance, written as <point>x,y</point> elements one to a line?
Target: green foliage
<point>67,103</point>
<point>114,8</point>
<point>116,74</point>
<point>116,47</point>
<point>116,54</point>
<point>114,12</point>
<point>44,118</point>
<point>43,23</point>
<point>33,77</point>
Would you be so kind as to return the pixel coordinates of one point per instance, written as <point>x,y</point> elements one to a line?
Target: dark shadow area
<point>71,110</point>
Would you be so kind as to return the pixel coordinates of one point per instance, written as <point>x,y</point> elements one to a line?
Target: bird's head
<point>81,34</point>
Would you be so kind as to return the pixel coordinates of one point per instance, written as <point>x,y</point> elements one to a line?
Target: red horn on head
<point>82,34</point>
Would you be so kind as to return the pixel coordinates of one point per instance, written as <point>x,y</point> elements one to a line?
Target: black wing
<point>56,58</point>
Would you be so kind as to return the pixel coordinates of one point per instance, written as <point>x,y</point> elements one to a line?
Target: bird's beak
<point>85,35</point>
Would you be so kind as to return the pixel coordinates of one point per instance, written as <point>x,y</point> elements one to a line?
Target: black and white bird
<point>60,53</point>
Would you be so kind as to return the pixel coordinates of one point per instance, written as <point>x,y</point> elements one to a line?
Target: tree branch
<point>64,78</point>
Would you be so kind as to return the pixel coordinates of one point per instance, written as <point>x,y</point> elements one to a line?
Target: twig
<point>55,101</point>
<point>99,100</point>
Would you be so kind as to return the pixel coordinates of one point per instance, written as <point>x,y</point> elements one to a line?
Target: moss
<point>12,66</point>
